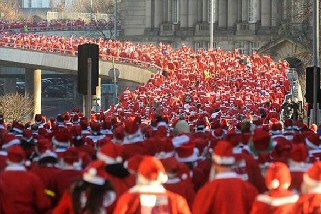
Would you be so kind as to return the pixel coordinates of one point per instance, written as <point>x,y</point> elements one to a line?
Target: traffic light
<point>86,51</point>
<point>309,84</point>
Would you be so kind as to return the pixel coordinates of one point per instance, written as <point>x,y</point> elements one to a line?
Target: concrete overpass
<point>35,61</point>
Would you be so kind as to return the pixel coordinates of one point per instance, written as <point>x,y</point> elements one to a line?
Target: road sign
<point>111,73</point>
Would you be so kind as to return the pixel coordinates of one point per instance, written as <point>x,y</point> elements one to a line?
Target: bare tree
<point>16,106</point>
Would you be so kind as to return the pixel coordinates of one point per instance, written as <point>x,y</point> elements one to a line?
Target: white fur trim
<point>162,178</point>
<point>15,167</point>
<point>180,140</point>
<point>311,182</point>
<point>276,132</point>
<point>310,144</point>
<point>298,166</point>
<point>48,153</point>
<point>93,179</point>
<point>134,138</point>
<point>17,130</point>
<point>156,188</point>
<point>173,180</point>
<point>226,175</point>
<point>162,123</point>
<point>223,160</point>
<point>274,184</point>
<point>3,153</point>
<point>275,202</point>
<point>59,143</point>
<point>11,143</point>
<point>164,155</point>
<point>184,176</point>
<point>108,159</point>
<point>191,158</point>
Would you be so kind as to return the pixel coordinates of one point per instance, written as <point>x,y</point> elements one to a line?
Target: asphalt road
<point>53,106</point>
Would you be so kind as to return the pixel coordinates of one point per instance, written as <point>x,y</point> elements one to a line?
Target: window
<point>240,46</point>
<point>254,46</point>
<point>175,11</point>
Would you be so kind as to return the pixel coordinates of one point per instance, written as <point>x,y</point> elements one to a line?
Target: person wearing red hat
<point>7,141</point>
<point>310,200</point>
<point>178,183</point>
<point>92,194</point>
<point>279,199</point>
<point>298,165</point>
<point>45,164</point>
<point>23,190</point>
<point>226,187</point>
<point>111,154</point>
<point>149,195</point>
<point>134,140</point>
<point>70,164</point>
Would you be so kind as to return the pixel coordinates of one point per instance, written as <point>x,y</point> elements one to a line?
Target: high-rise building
<point>276,27</point>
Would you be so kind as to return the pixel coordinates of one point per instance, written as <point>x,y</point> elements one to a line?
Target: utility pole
<point>115,21</point>
<point>316,58</point>
<point>212,25</point>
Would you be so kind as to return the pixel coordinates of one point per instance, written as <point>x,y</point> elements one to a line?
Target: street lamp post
<point>91,10</point>
<point>115,21</point>
<point>316,58</point>
<point>211,24</point>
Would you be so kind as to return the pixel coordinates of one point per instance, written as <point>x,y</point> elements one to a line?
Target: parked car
<point>57,91</point>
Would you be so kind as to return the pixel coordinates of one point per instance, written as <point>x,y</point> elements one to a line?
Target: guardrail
<point>57,28</point>
<point>72,52</point>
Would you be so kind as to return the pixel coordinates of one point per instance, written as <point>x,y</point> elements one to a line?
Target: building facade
<point>248,25</point>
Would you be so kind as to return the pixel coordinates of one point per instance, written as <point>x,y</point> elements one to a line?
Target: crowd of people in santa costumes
<point>17,26</point>
<point>203,136</point>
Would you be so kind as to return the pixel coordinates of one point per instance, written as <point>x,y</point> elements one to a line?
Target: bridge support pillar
<point>33,89</point>
<point>9,85</point>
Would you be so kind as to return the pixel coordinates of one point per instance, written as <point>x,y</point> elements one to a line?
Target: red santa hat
<point>278,176</point>
<point>71,157</point>
<point>95,127</point>
<point>223,153</point>
<point>9,140</point>
<point>132,163</point>
<point>110,153</point>
<point>165,148</point>
<point>299,153</point>
<point>27,135</point>
<point>313,141</point>
<point>276,128</point>
<point>95,173</point>
<point>187,153</point>
<point>298,125</point>
<point>151,170</point>
<point>313,176</point>
<point>61,139</point>
<point>16,154</point>
<point>261,140</point>
<point>288,123</point>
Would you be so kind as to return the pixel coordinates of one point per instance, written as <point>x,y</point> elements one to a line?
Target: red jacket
<point>226,194</point>
<point>62,180</point>
<point>276,201</point>
<point>24,191</point>
<point>184,188</point>
<point>308,204</point>
<point>45,173</point>
<point>133,201</point>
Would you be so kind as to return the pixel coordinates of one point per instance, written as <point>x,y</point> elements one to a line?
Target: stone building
<point>269,26</point>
